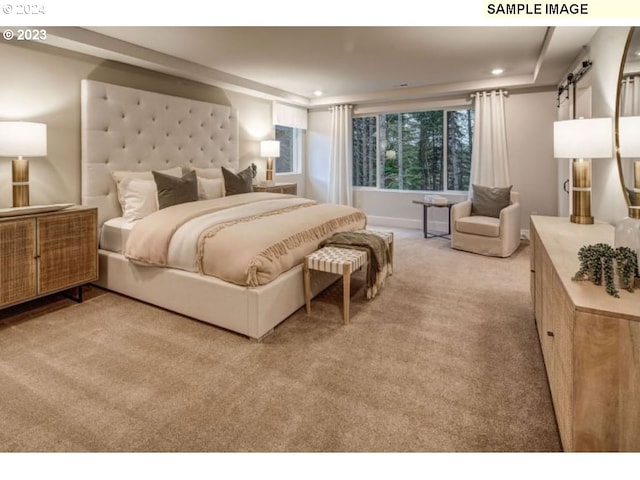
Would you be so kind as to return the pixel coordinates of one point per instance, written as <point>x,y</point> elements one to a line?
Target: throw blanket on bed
<point>249,240</point>
<point>378,256</point>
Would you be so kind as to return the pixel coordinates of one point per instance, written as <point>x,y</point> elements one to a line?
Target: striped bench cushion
<point>332,259</point>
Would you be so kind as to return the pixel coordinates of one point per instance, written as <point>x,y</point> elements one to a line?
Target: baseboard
<point>395,222</point>
<point>417,224</point>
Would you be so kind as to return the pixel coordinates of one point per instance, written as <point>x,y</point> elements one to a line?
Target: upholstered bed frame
<point>130,129</point>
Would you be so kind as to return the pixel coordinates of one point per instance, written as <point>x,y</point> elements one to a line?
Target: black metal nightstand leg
<point>78,296</point>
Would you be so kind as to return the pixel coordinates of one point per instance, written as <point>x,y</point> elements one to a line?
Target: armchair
<point>496,237</point>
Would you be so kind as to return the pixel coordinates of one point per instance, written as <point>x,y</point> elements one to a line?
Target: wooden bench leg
<point>391,255</point>
<point>307,287</point>
<point>346,291</point>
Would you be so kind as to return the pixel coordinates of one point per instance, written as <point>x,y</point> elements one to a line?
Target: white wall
<point>318,151</point>
<point>42,84</point>
<point>530,119</point>
<point>255,118</point>
<point>534,171</point>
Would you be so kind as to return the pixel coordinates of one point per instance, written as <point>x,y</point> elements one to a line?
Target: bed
<point>232,261</point>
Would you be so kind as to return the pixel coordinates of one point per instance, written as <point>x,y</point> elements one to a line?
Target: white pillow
<point>137,192</point>
<point>139,197</point>
<point>119,175</point>
<point>209,188</point>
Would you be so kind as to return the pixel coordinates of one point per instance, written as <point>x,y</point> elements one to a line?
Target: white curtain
<point>630,97</point>
<point>340,179</point>
<point>489,157</point>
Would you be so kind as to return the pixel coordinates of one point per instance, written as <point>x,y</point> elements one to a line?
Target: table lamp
<point>22,139</point>
<point>270,149</point>
<point>582,140</point>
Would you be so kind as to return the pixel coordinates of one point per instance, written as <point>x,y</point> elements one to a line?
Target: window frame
<point>298,136</point>
<point>445,166</point>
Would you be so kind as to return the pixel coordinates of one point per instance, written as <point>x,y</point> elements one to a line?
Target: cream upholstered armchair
<point>487,228</point>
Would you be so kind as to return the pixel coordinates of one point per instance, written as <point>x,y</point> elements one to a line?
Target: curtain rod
<point>504,92</point>
<point>348,105</point>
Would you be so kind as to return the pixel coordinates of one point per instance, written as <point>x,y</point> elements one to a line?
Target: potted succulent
<point>601,263</point>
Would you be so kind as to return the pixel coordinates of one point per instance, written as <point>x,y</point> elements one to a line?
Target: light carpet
<point>445,359</point>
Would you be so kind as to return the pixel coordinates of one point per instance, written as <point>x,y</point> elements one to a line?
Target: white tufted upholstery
<point>128,129</point>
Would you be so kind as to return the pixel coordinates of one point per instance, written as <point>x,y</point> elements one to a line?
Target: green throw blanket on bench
<point>377,251</point>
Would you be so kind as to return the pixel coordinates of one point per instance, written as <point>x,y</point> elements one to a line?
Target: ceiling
<point>348,64</point>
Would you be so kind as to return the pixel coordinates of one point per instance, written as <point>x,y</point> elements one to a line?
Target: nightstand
<point>289,188</point>
<point>47,253</point>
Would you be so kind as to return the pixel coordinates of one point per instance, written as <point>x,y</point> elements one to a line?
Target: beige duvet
<point>246,239</point>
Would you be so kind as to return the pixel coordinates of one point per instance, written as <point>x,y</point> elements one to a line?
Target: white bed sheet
<point>182,253</point>
<point>114,234</point>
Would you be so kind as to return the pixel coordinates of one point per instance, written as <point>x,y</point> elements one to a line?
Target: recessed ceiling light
<point>318,93</point>
<point>497,71</point>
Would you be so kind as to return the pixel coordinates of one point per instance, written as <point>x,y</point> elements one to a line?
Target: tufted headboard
<point>128,129</point>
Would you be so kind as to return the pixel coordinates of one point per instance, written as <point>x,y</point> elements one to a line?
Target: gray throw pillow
<point>237,183</point>
<point>175,190</point>
<point>488,201</point>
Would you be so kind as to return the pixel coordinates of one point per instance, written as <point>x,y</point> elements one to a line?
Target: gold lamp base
<point>581,219</point>
<point>20,179</point>
<point>581,193</point>
<point>269,174</point>
<point>581,206</point>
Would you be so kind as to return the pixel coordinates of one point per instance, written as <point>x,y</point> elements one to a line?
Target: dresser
<point>590,340</point>
<point>46,253</point>
<point>289,188</point>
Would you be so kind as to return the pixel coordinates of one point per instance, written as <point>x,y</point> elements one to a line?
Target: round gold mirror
<point>627,123</point>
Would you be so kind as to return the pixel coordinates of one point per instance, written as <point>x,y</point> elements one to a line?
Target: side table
<point>45,253</point>
<point>425,209</point>
<point>289,188</point>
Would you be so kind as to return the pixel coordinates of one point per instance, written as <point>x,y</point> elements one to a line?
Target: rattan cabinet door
<point>290,189</point>
<point>67,249</point>
<point>17,261</point>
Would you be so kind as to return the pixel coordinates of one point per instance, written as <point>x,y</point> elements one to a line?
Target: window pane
<point>286,137</point>
<point>364,152</point>
<point>459,139</point>
<point>409,150</point>
<point>413,145</point>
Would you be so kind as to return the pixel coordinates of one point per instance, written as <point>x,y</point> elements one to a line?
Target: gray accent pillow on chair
<point>175,190</point>
<point>488,201</point>
<point>235,183</point>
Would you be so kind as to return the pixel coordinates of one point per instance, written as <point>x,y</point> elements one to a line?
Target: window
<point>428,151</point>
<point>290,124</point>
<point>290,149</point>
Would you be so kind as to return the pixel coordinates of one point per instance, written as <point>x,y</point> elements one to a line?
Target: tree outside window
<point>428,151</point>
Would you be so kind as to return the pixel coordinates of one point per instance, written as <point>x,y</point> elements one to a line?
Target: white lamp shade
<point>270,148</point>
<point>583,138</point>
<point>629,136</point>
<point>26,139</point>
